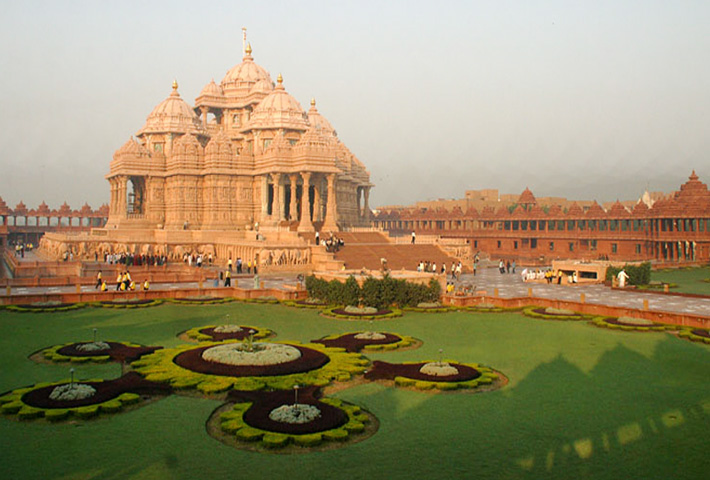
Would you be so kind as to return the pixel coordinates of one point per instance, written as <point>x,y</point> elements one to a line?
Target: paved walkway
<point>512,285</point>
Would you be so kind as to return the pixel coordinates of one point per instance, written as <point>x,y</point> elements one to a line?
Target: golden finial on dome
<point>280,79</point>
<point>175,85</point>
<point>247,50</point>
<point>313,102</point>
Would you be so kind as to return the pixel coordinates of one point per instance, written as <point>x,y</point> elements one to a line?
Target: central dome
<point>240,79</point>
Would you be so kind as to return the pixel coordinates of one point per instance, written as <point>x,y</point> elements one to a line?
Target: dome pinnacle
<point>175,85</point>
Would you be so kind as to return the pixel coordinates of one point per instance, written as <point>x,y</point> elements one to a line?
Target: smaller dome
<point>212,90</point>
<point>131,148</point>
<point>240,79</point>
<point>319,122</point>
<point>278,110</point>
<point>173,115</point>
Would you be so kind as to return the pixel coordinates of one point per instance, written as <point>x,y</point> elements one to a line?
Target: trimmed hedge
<point>44,309</point>
<point>638,274</point>
<point>377,293</point>
<point>531,312</point>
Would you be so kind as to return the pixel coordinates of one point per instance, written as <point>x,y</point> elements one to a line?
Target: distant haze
<point>587,100</point>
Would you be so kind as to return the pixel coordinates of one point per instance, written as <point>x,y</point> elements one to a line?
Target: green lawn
<point>582,402</point>
<point>689,280</point>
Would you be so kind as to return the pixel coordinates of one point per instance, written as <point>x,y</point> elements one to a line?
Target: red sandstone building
<point>673,229</point>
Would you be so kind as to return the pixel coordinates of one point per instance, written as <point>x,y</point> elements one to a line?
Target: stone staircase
<point>366,249</point>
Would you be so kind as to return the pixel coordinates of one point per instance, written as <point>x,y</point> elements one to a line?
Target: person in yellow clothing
<point>103,286</point>
<point>98,279</point>
<point>227,278</point>
<point>119,281</point>
<point>146,285</point>
<point>123,286</point>
<point>132,285</point>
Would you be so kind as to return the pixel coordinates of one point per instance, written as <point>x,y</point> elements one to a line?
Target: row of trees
<point>375,292</point>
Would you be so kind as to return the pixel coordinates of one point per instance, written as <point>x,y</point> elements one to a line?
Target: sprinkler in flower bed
<point>369,340</point>
<point>441,375</point>
<point>81,399</point>
<point>351,312</point>
<point>94,351</point>
<point>288,420</point>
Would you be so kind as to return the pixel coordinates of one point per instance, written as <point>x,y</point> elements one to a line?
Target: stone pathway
<point>512,285</point>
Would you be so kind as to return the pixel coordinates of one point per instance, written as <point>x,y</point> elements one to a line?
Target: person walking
<point>98,279</point>
<point>414,237</point>
<point>228,278</point>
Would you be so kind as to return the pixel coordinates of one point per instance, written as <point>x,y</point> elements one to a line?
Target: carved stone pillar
<point>305,224</point>
<point>331,214</point>
<point>317,204</point>
<point>358,194</point>
<point>204,111</point>
<point>293,206</point>
<point>264,197</point>
<point>276,210</point>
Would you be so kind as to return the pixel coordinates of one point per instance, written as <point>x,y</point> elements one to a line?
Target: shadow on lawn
<point>631,416</point>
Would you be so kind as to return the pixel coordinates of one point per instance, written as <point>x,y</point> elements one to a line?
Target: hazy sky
<point>584,99</point>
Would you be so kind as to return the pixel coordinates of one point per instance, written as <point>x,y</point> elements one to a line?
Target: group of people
<point>251,265</point>
<point>20,249</point>
<point>506,266</point>
<point>431,267</point>
<point>332,243</point>
<point>124,282</point>
<point>130,259</point>
<point>548,275</point>
<point>197,259</point>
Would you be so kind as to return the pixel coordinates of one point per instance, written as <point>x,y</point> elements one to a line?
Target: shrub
<point>638,274</point>
<point>87,412</point>
<point>56,415</point>
<point>275,440</point>
<point>249,434</point>
<point>308,439</point>
<point>339,434</point>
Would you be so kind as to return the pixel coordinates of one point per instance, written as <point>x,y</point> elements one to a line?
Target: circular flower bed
<point>201,300</point>
<point>307,303</point>
<point>60,400</point>
<point>430,307</point>
<point>696,334</point>
<point>429,375</point>
<point>80,352</point>
<point>226,332</point>
<point>550,313</point>
<point>185,368</point>
<point>44,307</point>
<point>354,342</point>
<point>128,303</point>
<point>628,323</point>
<point>355,313</point>
<point>266,420</point>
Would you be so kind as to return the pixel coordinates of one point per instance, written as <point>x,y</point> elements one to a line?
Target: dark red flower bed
<point>118,351</point>
<point>352,344</point>
<point>388,371</point>
<point>310,360</point>
<point>264,402</point>
<point>130,382</point>
<point>128,302</point>
<point>342,311</point>
<point>701,333</point>
<point>219,336</point>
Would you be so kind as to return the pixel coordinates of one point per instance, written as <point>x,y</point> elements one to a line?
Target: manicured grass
<point>582,402</point>
<point>689,280</point>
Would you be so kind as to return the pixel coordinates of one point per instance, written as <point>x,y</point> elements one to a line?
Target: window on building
<point>293,142</point>
<point>235,120</point>
<point>552,246</point>
<point>541,225</point>
<point>267,142</point>
<point>560,225</point>
<point>533,243</point>
<point>516,225</point>
<point>602,225</point>
<point>551,225</point>
<point>582,224</point>
<point>613,225</point>
<point>506,225</point>
<point>593,245</point>
<point>515,244</point>
<point>158,147</point>
<point>570,225</point>
<point>638,249</point>
<point>498,243</point>
<point>475,244</point>
<point>533,225</point>
<point>571,246</point>
<point>523,225</point>
<point>614,248</point>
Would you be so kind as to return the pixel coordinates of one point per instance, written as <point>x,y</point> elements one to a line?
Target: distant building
<point>672,229</point>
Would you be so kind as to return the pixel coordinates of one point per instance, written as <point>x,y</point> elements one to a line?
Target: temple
<point>245,172</point>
